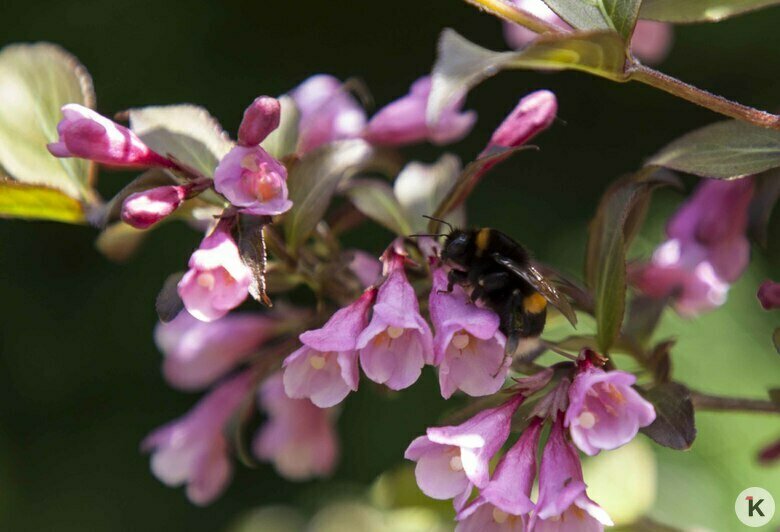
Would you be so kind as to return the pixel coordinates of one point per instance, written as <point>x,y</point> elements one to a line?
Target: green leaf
<point>313,180</point>
<point>461,64</point>
<point>764,200</point>
<point>776,339</point>
<point>251,246</point>
<point>674,424</point>
<point>581,14</point>
<point>376,200</point>
<point>168,303</point>
<point>119,241</point>
<point>187,132</point>
<point>36,80</point>
<point>610,233</point>
<point>623,15</point>
<point>420,188</point>
<point>682,11</point>
<point>283,140</point>
<point>38,202</point>
<point>724,150</point>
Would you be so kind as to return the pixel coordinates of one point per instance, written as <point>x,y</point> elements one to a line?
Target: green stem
<point>706,401</point>
<point>713,102</point>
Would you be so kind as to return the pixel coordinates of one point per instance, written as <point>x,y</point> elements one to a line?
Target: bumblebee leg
<point>455,277</point>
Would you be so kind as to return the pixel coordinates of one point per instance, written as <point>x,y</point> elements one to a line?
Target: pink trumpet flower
<point>89,135</point>
<point>144,209</point>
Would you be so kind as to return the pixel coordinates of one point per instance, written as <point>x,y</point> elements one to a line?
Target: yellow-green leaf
<point>38,202</point>
<point>36,80</point>
<point>187,132</point>
<point>461,64</point>
<point>583,15</point>
<point>683,11</point>
<point>283,140</point>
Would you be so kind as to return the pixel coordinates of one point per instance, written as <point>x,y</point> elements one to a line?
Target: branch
<point>713,102</point>
<point>734,404</point>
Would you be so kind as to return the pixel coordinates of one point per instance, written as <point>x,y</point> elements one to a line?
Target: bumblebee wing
<point>540,284</point>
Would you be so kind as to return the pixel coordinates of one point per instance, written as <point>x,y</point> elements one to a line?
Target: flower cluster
<point>601,410</point>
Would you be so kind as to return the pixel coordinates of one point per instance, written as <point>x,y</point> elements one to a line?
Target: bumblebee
<point>498,273</point>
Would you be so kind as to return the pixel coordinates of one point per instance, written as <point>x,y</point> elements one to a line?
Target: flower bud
<point>533,114</point>
<point>260,118</point>
<point>769,295</point>
<point>88,135</point>
<point>144,209</point>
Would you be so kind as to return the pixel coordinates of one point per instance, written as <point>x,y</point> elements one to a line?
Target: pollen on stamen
<point>317,361</point>
<point>250,163</point>
<point>499,516</point>
<point>586,419</point>
<point>394,332</point>
<point>456,464</point>
<point>460,341</point>
<point>206,280</point>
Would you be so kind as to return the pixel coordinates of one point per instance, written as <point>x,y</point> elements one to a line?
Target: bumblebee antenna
<point>436,235</point>
<point>445,222</point>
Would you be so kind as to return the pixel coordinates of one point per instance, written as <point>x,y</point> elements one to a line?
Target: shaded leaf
<point>168,303</point>
<point>156,177</point>
<point>38,202</point>
<point>583,15</point>
<point>313,180</point>
<point>420,188</point>
<point>660,361</point>
<point>674,425</point>
<point>609,236</point>
<point>468,179</point>
<point>724,150</point>
<point>283,140</point>
<point>36,80</point>
<point>774,395</point>
<point>644,313</point>
<point>764,200</point>
<point>461,64</point>
<point>623,15</point>
<point>119,241</point>
<point>376,200</point>
<point>682,11</point>
<point>251,246</point>
<point>187,132</point>
<point>776,339</point>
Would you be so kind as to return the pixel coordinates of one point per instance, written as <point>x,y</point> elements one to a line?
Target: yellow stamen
<point>456,464</point>
<point>460,341</point>
<point>317,361</point>
<point>206,280</point>
<point>394,332</point>
<point>586,419</point>
<point>499,516</point>
<point>249,163</point>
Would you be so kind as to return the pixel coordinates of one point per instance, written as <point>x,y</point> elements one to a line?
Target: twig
<point>735,404</point>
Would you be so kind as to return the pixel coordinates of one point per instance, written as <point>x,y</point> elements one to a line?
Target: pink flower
<point>253,180</point>
<point>452,459</point>
<point>217,281</point>
<point>651,41</point>
<point>260,118</point>
<point>325,368</point>
<point>504,504</point>
<point>146,208</point>
<point>604,411</point>
<point>299,438</point>
<point>563,504</point>
<point>197,353</point>
<point>769,295</point>
<point>192,450</point>
<point>533,114</point>
<point>398,342</point>
<point>86,134</point>
<point>707,248</point>
<point>468,346</point>
<point>366,267</point>
<point>403,121</point>
<point>328,112</point>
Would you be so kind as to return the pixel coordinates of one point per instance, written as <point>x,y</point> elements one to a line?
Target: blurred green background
<point>79,378</point>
